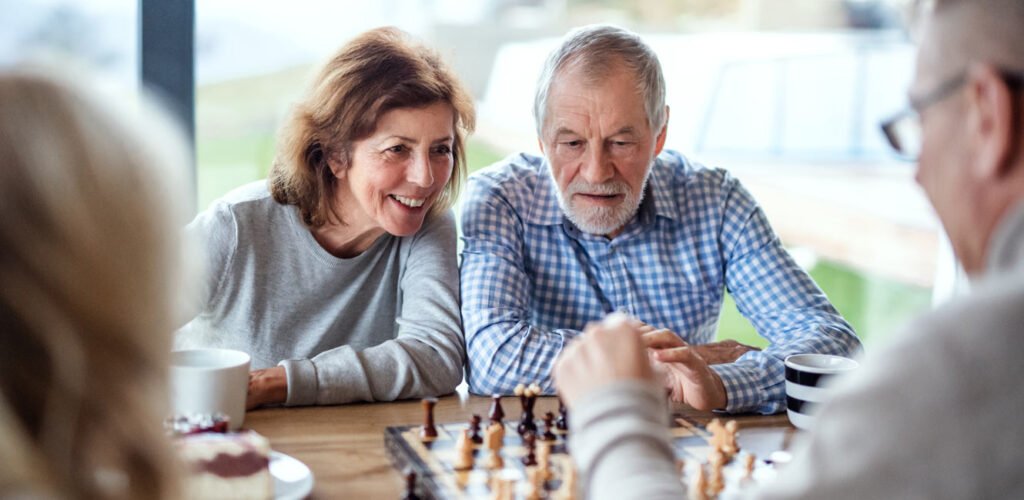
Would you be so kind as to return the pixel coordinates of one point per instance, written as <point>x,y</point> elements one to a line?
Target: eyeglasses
<point>903,131</point>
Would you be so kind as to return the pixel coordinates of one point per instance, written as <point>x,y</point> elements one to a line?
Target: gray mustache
<point>608,188</point>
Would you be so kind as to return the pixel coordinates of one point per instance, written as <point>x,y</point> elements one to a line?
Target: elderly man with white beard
<point>608,221</point>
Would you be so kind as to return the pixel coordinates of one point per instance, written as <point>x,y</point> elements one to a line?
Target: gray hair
<point>597,49</point>
<point>978,31</point>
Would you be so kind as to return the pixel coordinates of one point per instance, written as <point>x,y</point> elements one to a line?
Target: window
<point>786,95</point>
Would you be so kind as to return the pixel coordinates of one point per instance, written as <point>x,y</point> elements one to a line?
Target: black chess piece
<point>410,486</point>
<point>563,417</point>
<point>526,423</point>
<point>549,424</point>
<point>428,430</point>
<point>530,441</point>
<point>474,430</point>
<point>497,413</point>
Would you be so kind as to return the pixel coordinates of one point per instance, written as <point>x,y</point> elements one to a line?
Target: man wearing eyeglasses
<point>935,414</point>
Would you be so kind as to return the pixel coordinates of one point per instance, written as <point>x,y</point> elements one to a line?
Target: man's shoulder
<point>521,181</point>
<point>680,172</point>
<point>990,314</point>
<point>514,172</point>
<point>978,334</point>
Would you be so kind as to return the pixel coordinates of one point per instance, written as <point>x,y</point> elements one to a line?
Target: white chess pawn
<point>463,452</point>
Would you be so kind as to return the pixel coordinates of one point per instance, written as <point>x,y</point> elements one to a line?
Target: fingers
<point>266,386</point>
<point>600,356</point>
<point>684,358</point>
<point>640,326</point>
<point>662,338</point>
<point>693,381</point>
<point>727,351</point>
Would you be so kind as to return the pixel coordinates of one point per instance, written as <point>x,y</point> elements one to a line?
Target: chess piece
<point>723,438</point>
<point>410,486</point>
<point>493,437</point>
<point>463,452</point>
<point>748,465</point>
<point>534,483</point>
<point>548,435</point>
<point>544,460</point>
<point>716,458</point>
<point>567,491</point>
<point>494,461</point>
<point>530,441</point>
<point>717,482</point>
<point>428,431</point>
<point>474,429</point>
<point>502,488</point>
<point>498,432</point>
<point>731,446</point>
<point>699,485</point>
<point>497,413</point>
<point>717,431</point>
<point>563,417</point>
<point>527,398</point>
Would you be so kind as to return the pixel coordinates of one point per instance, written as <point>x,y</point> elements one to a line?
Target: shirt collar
<point>659,199</point>
<point>543,208</point>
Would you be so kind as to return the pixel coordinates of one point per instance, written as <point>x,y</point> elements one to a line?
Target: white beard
<point>601,220</point>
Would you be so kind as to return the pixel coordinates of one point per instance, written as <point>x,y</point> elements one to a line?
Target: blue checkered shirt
<point>531,280</point>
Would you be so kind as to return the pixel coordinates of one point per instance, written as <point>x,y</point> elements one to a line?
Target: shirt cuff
<point>302,382</point>
<point>743,390</point>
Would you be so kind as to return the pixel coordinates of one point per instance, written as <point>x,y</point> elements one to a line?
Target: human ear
<point>337,164</point>
<point>989,121</point>
<point>660,141</point>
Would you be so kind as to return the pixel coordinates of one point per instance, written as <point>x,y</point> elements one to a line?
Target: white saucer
<point>292,479</point>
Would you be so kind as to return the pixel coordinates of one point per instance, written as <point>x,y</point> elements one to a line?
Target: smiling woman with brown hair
<point>339,275</point>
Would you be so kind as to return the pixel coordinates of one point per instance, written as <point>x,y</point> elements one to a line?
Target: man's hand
<point>690,379</point>
<point>599,357</point>
<point>715,353</point>
<point>267,386</point>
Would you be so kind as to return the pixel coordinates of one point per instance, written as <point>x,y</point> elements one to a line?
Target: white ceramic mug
<point>210,381</point>
<point>808,377</point>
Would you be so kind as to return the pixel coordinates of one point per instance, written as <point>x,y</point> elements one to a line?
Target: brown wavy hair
<point>378,71</point>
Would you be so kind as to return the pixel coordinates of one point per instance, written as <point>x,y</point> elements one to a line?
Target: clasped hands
<point>636,350</point>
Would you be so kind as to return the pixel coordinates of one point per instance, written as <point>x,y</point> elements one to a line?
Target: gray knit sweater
<point>380,326</point>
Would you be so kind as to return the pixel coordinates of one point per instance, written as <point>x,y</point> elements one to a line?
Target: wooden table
<point>344,445</point>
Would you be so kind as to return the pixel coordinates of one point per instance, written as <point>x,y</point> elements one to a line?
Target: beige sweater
<point>935,414</point>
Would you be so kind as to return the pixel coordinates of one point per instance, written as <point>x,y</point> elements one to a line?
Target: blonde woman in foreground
<point>86,242</point>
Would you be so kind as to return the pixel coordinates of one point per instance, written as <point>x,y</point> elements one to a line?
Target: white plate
<point>292,479</point>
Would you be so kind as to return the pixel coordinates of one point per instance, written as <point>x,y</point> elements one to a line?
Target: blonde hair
<point>378,71</point>
<point>88,247</point>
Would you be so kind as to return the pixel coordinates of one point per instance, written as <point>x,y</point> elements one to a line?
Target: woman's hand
<point>267,386</point>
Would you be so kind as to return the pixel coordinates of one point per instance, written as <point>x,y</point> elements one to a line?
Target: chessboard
<point>438,471</point>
